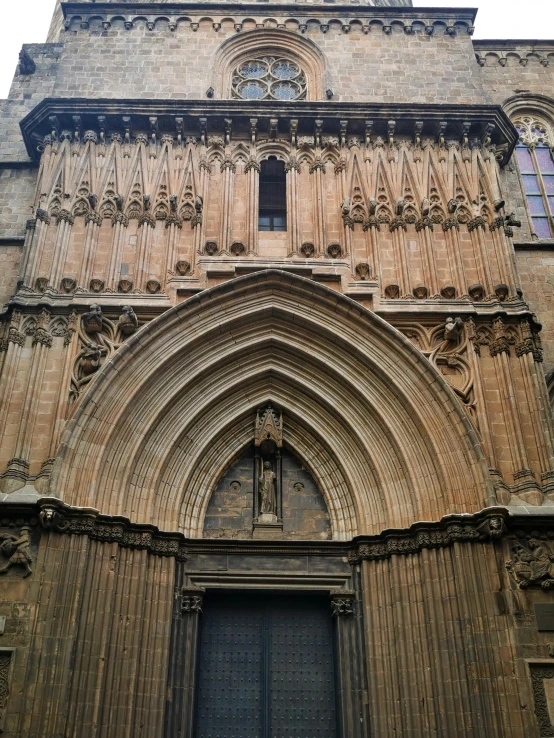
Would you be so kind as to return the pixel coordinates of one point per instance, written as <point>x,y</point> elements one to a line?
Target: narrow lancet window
<point>273,196</point>
<point>536,166</point>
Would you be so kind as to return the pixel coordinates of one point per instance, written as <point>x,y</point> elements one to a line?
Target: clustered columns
<point>292,169</point>
<point>183,655</point>
<point>252,171</point>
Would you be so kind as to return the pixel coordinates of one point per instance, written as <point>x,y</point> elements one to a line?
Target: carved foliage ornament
<point>540,673</point>
<point>446,532</point>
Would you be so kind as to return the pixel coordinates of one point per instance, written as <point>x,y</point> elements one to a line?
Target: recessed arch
<point>376,424</point>
<point>271,41</point>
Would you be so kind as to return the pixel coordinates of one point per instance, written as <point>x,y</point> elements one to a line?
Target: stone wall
<point>509,68</point>
<point>536,269</point>
<point>10,256</point>
<point>17,194</point>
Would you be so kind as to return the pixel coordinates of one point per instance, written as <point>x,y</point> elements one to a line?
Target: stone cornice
<point>439,18</point>
<point>489,524</point>
<point>56,117</point>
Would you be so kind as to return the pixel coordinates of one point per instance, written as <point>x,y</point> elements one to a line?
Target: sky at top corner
<point>27,21</point>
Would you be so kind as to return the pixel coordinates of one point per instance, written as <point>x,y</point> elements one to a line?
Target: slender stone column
<point>36,247</point>
<point>64,223</point>
<point>119,223</point>
<point>12,344</point>
<point>187,609</point>
<point>228,169</point>
<point>93,221</point>
<point>351,679</point>
<point>18,468</point>
<point>252,172</point>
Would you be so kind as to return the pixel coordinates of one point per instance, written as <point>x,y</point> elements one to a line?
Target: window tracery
<point>536,166</point>
<point>268,78</point>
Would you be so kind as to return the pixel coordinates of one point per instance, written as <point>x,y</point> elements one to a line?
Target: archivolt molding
<point>276,42</point>
<point>375,423</point>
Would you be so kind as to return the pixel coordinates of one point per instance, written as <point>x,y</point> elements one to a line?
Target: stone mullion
<point>42,341</point>
<point>478,235</point>
<point>401,261</point>
<point>320,230</point>
<point>141,266</point>
<point>61,244</point>
<point>227,206</point>
<point>173,231</point>
<point>372,254</point>
<point>499,245</point>
<point>541,430</point>
<point>93,222</point>
<point>516,440</point>
<point>455,257</point>
<point>253,190</point>
<point>293,224</point>
<point>429,261</point>
<point>200,225</point>
<point>481,406</point>
<point>13,342</point>
<point>120,223</point>
<point>36,249</point>
<point>70,351</point>
<point>347,230</point>
<point>30,233</point>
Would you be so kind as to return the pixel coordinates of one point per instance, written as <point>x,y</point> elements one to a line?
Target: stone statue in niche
<point>267,491</point>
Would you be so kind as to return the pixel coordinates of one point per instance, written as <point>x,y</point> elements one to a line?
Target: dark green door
<point>266,668</point>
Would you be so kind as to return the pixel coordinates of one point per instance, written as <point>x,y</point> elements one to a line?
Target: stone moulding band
<point>487,525</point>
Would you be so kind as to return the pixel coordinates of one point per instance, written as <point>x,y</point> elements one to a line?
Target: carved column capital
<point>342,602</point>
<point>192,599</point>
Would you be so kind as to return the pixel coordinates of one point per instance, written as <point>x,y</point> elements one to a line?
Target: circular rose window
<point>269,77</point>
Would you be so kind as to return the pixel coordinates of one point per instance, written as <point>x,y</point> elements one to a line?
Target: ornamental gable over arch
<point>383,436</point>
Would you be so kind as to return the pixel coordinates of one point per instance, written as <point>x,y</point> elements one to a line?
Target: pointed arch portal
<point>376,425</point>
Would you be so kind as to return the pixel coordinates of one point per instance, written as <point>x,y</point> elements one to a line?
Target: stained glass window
<point>536,166</point>
<point>269,78</point>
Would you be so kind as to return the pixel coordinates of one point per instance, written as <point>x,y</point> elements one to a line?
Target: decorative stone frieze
<point>60,518</point>
<point>489,524</point>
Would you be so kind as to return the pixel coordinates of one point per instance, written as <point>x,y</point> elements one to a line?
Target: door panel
<point>266,668</point>
<point>230,678</point>
<point>302,686</point>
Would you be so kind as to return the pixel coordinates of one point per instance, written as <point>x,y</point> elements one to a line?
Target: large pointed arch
<point>378,427</point>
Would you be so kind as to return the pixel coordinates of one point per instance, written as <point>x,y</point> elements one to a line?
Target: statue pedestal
<point>267,527</point>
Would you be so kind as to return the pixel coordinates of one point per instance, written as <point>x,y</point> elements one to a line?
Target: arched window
<point>536,166</point>
<point>273,196</point>
<point>268,78</point>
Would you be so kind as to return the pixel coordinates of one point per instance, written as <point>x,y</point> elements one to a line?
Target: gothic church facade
<point>276,375</point>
